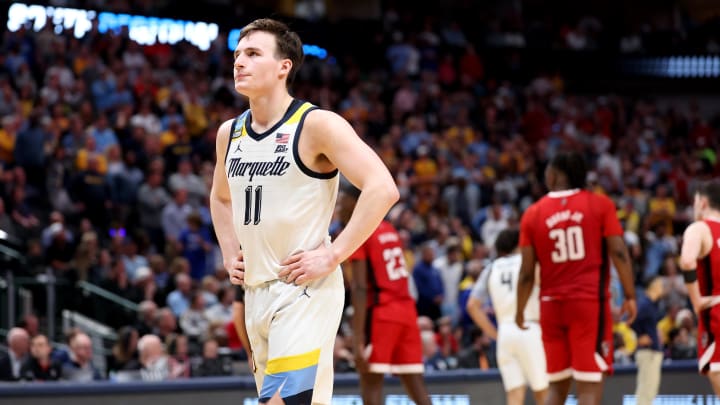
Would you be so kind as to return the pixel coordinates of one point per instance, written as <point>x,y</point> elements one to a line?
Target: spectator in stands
<point>475,355</point>
<point>429,284</point>
<point>185,179</point>
<point>432,356</point>
<point>87,258</point>
<point>175,215</point>
<point>496,221</point>
<point>144,282</point>
<point>25,222</point>
<point>179,299</point>
<point>152,199</point>
<point>90,191</point>
<point>179,355</point>
<point>40,366</point>
<point>155,363</point>
<point>31,324</point>
<point>194,243</point>
<point>49,231</point>
<point>473,268</point>
<point>221,311</point>
<point>193,322</point>
<point>132,259</point>
<point>450,266</point>
<point>212,364</point>
<point>123,356</point>
<point>147,317</point>
<point>210,287</point>
<point>166,323</point>
<point>79,366</point>
<point>158,265</point>
<point>30,149</point>
<point>11,362</point>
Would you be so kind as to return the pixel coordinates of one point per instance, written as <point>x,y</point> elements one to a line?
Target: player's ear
<point>285,66</point>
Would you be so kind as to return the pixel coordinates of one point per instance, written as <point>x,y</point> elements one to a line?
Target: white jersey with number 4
<point>279,205</point>
<point>499,282</point>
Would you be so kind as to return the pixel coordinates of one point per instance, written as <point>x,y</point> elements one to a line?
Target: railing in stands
<point>101,335</point>
<point>103,293</point>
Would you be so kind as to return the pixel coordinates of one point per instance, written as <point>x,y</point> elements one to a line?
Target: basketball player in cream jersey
<point>273,196</point>
<point>520,353</point>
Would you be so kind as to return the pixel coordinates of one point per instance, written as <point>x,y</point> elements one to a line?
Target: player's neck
<point>268,109</point>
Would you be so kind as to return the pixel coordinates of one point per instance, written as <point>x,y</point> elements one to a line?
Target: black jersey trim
<point>259,137</point>
<point>296,152</point>
<point>230,136</point>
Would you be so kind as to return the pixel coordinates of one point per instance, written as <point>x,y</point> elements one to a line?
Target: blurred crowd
<point>108,148</point>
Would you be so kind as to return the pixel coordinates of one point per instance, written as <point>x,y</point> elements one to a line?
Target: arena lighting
<point>696,66</point>
<point>141,29</point>
<point>309,50</point>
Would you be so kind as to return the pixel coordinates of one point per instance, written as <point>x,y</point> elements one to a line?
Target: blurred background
<point>109,112</point>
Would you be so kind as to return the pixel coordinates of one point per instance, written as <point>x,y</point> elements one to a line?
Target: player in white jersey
<point>520,353</point>
<point>273,196</point>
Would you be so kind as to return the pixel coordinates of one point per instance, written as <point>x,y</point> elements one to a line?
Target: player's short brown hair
<point>711,190</point>
<point>288,43</point>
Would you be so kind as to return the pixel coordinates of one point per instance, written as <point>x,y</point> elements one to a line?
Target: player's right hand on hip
<point>235,267</point>
<point>520,320</point>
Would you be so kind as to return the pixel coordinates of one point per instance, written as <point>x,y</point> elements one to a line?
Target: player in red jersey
<point>386,338</point>
<point>571,232</point>
<point>701,251</point>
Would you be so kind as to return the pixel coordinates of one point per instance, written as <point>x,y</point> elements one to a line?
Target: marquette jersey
<point>567,230</point>
<point>499,283</point>
<point>280,206</point>
<point>388,294</point>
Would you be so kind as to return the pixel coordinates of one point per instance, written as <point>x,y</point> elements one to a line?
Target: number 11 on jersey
<point>249,204</point>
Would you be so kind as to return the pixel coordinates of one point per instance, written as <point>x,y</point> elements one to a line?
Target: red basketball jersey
<point>708,268</point>
<point>388,295</point>
<point>567,230</point>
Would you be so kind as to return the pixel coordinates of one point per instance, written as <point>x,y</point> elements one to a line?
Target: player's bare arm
<point>238,315</point>
<point>358,286</point>
<point>328,142</point>
<point>526,281</point>
<point>621,260</point>
<point>697,240</point>
<point>221,211</point>
<point>477,312</point>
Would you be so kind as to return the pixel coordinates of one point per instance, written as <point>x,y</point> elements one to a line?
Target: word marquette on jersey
<point>264,168</point>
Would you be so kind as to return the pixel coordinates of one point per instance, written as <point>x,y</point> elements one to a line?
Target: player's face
<point>256,66</point>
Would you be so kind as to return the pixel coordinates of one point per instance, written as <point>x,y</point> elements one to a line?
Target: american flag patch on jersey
<point>282,138</point>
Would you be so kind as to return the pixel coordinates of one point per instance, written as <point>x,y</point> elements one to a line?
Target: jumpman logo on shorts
<point>305,293</point>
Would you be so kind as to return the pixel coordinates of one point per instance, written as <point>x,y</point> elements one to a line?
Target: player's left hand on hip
<point>302,267</point>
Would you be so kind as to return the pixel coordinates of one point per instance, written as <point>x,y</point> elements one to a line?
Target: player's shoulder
<point>223,132</point>
<point>533,208</point>
<point>319,119</point>
<point>600,198</point>
<point>699,226</point>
